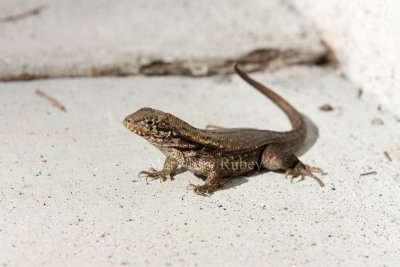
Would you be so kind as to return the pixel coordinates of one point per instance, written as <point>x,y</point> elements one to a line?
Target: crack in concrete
<point>257,60</point>
<point>254,61</point>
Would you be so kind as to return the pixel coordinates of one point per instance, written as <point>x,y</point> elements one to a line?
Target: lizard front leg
<point>169,170</point>
<point>214,181</point>
<point>275,158</point>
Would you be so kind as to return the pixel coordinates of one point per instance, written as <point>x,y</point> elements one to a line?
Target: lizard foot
<point>301,170</point>
<point>202,190</point>
<point>154,175</point>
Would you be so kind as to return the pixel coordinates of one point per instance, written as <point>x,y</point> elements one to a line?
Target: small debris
<point>52,100</point>
<point>377,121</point>
<point>368,173</point>
<point>24,15</point>
<point>326,107</point>
<point>387,156</point>
<point>360,92</point>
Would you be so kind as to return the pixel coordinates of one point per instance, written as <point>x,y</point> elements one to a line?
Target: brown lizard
<point>222,153</point>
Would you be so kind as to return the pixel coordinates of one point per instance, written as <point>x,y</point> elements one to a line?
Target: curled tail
<point>296,119</point>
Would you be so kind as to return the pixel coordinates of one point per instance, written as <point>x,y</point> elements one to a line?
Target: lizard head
<point>151,124</point>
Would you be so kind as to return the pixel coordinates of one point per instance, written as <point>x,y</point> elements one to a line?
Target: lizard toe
<point>155,175</point>
<point>202,190</point>
<point>301,170</point>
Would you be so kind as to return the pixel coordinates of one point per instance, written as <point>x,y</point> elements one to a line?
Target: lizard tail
<point>296,119</point>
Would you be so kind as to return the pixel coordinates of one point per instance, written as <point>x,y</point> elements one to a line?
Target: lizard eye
<point>150,123</point>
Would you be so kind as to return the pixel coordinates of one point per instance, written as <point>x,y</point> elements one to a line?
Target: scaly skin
<point>222,153</point>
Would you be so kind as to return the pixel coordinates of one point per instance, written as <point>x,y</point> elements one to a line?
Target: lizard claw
<point>154,175</point>
<point>202,190</point>
<point>302,171</point>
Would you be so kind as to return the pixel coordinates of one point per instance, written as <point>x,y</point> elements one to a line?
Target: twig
<point>368,173</point>
<point>387,156</point>
<point>23,15</point>
<point>52,100</point>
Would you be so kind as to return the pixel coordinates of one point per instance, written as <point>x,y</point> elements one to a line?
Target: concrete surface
<point>75,38</point>
<point>365,36</point>
<point>69,194</point>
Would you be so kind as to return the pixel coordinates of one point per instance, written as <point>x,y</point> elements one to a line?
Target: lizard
<point>222,153</point>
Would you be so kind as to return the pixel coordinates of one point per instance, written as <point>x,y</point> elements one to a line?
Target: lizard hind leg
<point>301,170</point>
<point>275,158</point>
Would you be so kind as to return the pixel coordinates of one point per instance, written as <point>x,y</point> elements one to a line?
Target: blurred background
<point>95,38</point>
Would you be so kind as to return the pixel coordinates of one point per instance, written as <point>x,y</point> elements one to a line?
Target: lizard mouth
<point>137,129</point>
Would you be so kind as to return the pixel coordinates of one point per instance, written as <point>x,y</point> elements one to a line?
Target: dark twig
<point>52,100</point>
<point>387,156</point>
<point>368,173</point>
<point>30,12</point>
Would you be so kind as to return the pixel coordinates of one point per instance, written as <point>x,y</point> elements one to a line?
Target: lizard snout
<point>128,121</point>
<point>133,125</point>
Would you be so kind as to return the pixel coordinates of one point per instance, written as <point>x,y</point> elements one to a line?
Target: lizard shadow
<point>235,181</point>
<point>311,136</point>
<point>232,182</point>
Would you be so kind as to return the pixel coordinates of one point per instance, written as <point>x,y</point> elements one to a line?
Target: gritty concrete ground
<point>69,192</point>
